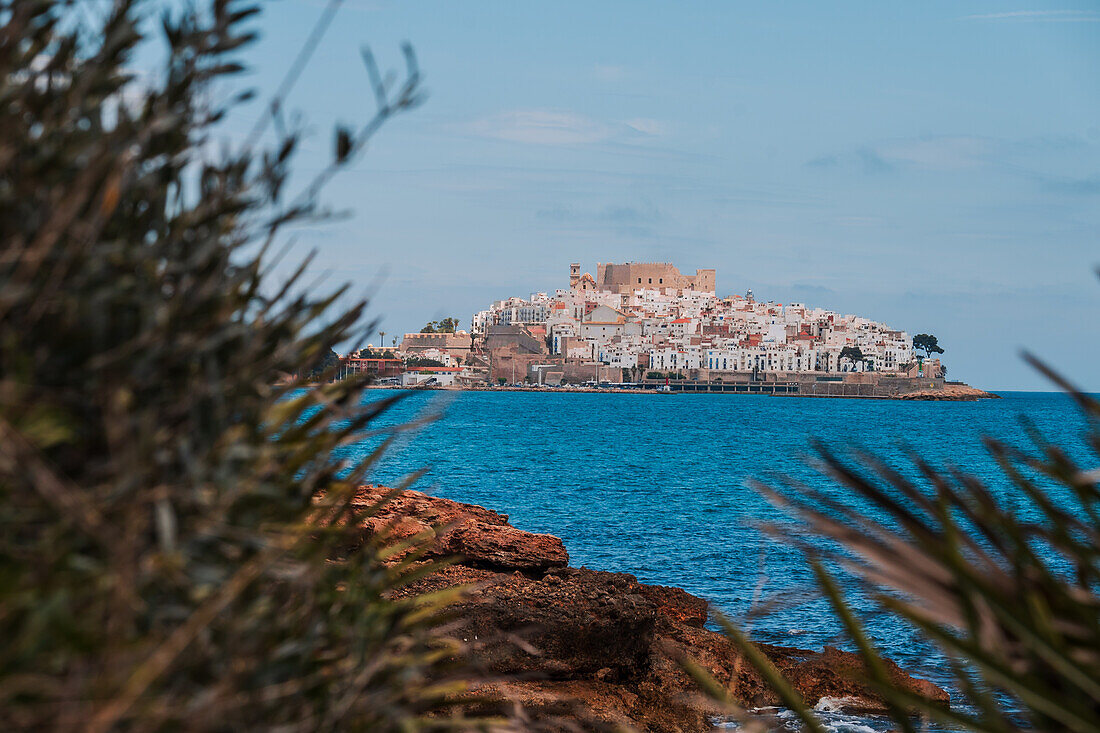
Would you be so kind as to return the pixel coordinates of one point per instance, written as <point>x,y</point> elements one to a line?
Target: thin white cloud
<point>556,127</point>
<point>939,152</point>
<point>1045,16</point>
<point>541,127</point>
<point>609,73</point>
<point>932,152</point>
<point>648,126</point>
<point>858,221</point>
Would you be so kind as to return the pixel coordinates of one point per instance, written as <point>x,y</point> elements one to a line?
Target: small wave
<point>828,712</point>
<point>834,704</point>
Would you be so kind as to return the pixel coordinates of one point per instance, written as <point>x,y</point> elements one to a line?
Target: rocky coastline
<point>574,647</point>
<point>951,393</point>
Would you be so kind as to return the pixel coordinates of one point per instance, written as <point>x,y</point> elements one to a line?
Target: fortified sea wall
<point>794,383</point>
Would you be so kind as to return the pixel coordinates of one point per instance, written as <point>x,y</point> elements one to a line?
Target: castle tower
<point>574,274</point>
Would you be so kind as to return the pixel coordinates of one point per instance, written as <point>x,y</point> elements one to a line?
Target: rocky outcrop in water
<point>950,393</point>
<point>598,649</point>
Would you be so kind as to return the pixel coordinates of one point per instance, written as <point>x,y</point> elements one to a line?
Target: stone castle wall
<point>705,280</point>
<point>633,275</point>
<point>458,344</point>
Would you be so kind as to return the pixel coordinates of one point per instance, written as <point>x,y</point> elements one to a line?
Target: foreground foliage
<point>1004,583</point>
<point>169,504</point>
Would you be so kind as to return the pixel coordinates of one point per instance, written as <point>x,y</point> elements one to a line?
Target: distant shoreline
<point>951,393</point>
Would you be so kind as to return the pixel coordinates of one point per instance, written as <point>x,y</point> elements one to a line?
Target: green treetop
<point>927,343</point>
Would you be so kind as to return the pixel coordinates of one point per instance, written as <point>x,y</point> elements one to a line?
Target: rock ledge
<point>599,649</point>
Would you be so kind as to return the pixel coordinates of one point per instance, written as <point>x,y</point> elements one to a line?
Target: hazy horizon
<point>934,167</point>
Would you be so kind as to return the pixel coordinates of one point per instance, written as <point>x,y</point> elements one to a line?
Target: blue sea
<point>658,485</point>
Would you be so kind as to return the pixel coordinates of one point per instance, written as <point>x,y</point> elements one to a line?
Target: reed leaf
<point>178,533</point>
<point>1004,584</point>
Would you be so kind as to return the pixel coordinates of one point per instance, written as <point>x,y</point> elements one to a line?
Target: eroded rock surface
<point>573,645</point>
<point>479,537</point>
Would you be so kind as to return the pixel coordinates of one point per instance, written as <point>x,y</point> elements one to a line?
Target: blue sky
<point>933,165</point>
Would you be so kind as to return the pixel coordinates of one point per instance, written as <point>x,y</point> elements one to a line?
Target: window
<point>639,281</point>
<point>650,281</point>
<point>660,280</point>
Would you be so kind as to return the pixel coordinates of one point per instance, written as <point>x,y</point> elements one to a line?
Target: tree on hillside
<point>927,343</point>
<point>447,325</point>
<point>325,366</point>
<point>852,353</point>
<point>180,548</point>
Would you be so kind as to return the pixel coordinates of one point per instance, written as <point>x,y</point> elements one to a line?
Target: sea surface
<point>658,485</point>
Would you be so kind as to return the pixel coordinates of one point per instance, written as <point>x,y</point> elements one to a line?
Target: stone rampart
<point>631,276</point>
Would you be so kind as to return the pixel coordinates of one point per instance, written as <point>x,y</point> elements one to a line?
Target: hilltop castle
<point>650,316</point>
<point>626,278</point>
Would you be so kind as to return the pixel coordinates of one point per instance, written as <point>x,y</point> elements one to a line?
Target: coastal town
<point>649,326</point>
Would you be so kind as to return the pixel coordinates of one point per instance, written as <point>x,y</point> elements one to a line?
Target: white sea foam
<point>828,712</point>
<point>834,704</point>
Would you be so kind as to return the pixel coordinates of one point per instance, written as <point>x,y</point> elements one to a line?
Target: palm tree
<point>381,340</point>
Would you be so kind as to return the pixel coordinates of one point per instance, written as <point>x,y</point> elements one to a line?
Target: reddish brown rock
<point>832,673</point>
<point>477,536</point>
<point>596,648</point>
